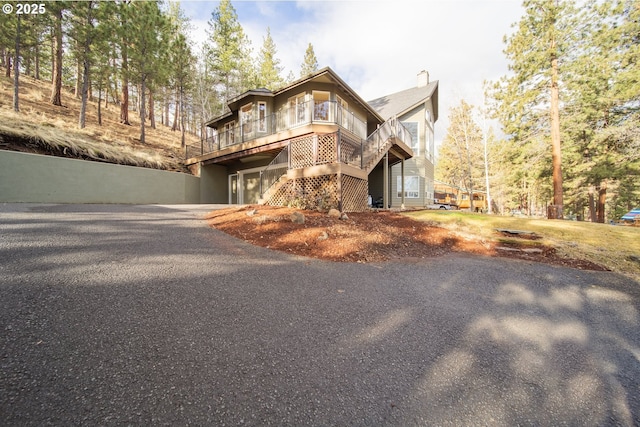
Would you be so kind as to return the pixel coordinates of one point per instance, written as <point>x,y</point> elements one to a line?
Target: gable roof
<point>401,102</point>
<point>324,75</point>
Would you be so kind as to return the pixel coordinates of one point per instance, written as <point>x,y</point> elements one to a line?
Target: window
<point>429,144</point>
<point>297,111</point>
<point>343,112</point>
<point>412,127</point>
<point>428,189</point>
<point>262,116</point>
<point>246,119</point>
<point>321,106</point>
<point>411,187</point>
<point>229,135</point>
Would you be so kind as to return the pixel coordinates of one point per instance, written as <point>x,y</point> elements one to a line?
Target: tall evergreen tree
<point>461,153</point>
<point>56,9</point>
<point>310,62</point>
<point>181,75</point>
<point>83,34</point>
<point>122,34</point>
<point>145,54</point>
<point>269,69</point>
<point>228,53</point>
<point>16,66</point>
<point>530,104</point>
<point>602,116</point>
<point>102,52</point>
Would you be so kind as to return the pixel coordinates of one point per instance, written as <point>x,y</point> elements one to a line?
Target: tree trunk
<point>175,114</point>
<point>124,105</point>
<point>78,87</point>
<point>7,61</point>
<point>16,70</point>
<point>142,111</point>
<point>36,71</point>
<point>152,113</point>
<point>84,95</point>
<point>165,115</point>
<point>182,139</point>
<point>56,86</point>
<point>556,153</point>
<point>100,102</point>
<point>602,199</point>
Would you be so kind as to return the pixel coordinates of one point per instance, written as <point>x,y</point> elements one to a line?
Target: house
<point>314,143</point>
<point>417,110</point>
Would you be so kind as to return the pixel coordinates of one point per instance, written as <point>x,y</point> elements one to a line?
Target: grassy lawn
<point>604,244</point>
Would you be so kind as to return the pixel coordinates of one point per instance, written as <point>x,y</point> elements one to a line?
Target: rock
<point>532,250</point>
<point>334,213</point>
<point>297,218</point>
<point>323,236</point>
<point>252,212</point>
<point>260,219</point>
<point>634,258</point>
<point>344,216</point>
<point>507,249</point>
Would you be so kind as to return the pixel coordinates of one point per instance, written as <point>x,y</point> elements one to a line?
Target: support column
<point>385,179</point>
<point>402,180</point>
<point>339,185</point>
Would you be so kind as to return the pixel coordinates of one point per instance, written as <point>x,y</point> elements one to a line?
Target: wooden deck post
<point>385,179</point>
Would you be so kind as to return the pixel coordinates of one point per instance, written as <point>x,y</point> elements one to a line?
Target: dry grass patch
<point>615,247</point>
<point>47,129</point>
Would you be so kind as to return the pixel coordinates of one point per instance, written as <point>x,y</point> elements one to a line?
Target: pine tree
<point>122,33</point>
<point>83,33</point>
<point>228,54</point>
<point>310,62</point>
<point>269,68</point>
<point>530,97</point>
<point>102,54</point>
<point>56,9</point>
<point>461,153</point>
<point>602,118</point>
<point>181,75</point>
<point>16,66</point>
<point>145,53</point>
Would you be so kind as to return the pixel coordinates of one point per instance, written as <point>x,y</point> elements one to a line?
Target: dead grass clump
<point>50,138</point>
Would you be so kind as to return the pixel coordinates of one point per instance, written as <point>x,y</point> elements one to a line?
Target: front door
<point>233,189</point>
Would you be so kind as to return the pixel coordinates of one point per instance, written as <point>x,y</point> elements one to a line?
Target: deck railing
<point>310,112</point>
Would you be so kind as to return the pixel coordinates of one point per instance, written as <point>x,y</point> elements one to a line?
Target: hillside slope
<point>43,128</point>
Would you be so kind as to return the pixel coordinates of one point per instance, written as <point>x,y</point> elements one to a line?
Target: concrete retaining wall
<point>46,179</point>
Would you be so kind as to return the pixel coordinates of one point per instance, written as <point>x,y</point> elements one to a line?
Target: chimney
<point>423,78</point>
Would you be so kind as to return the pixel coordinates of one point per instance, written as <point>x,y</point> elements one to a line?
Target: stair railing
<point>275,170</point>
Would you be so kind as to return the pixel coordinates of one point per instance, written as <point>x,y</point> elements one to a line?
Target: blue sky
<point>379,46</point>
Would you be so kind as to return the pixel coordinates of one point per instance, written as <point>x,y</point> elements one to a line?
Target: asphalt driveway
<point>142,315</point>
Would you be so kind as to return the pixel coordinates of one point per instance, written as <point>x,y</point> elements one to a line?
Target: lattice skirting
<point>323,192</point>
<point>354,194</point>
<point>313,150</point>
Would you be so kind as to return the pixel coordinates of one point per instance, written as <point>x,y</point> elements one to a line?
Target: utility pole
<point>486,154</point>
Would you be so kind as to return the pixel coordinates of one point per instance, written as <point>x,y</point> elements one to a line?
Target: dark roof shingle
<point>400,102</point>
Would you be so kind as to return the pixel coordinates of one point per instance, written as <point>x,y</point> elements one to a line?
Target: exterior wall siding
<point>411,168</point>
<point>420,165</point>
